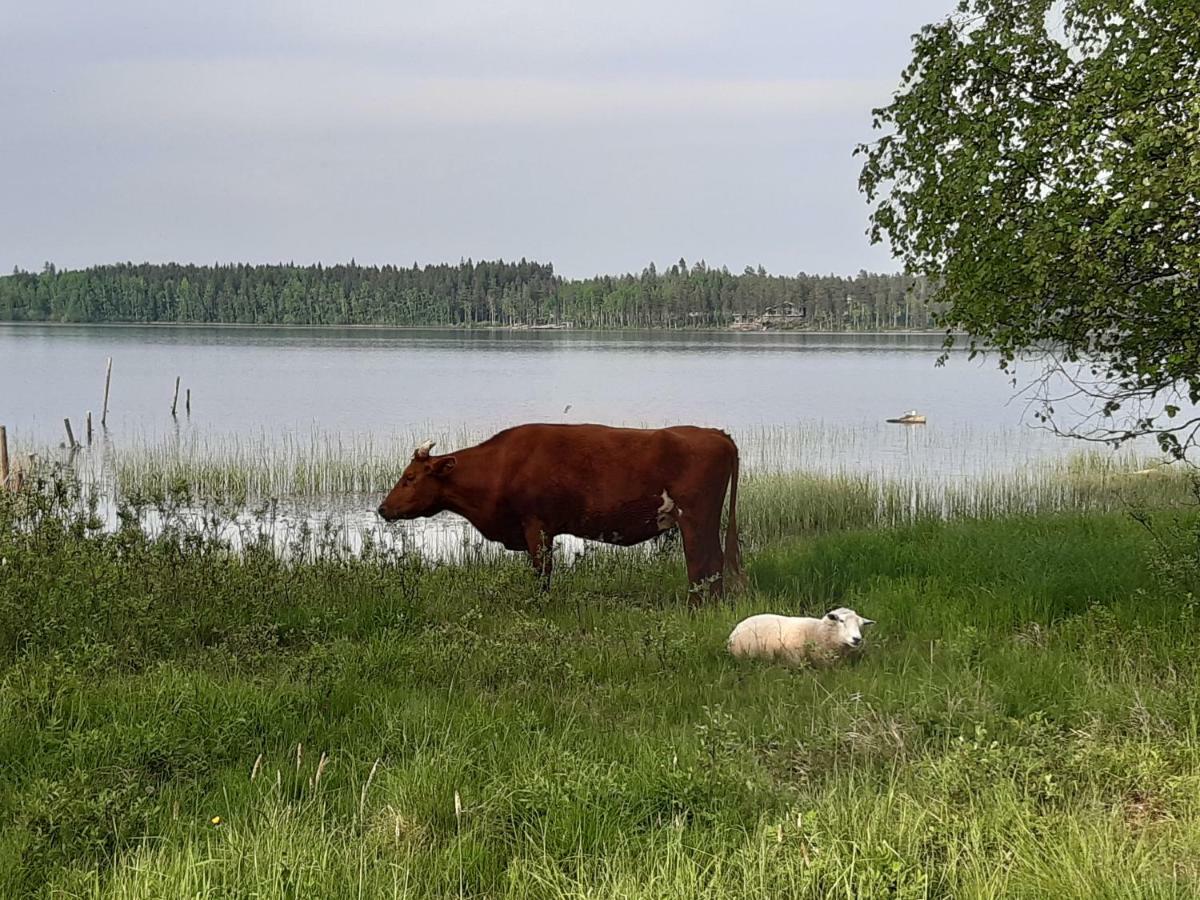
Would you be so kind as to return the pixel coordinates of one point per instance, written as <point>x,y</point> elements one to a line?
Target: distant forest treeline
<point>470,293</point>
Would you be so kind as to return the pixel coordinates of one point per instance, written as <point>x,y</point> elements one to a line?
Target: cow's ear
<point>443,465</point>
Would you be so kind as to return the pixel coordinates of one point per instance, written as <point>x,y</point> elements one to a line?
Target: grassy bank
<point>1025,723</point>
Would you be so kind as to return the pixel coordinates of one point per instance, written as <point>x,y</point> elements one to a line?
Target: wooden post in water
<point>175,399</point>
<point>107,382</point>
<point>3,457</point>
<point>187,403</point>
<point>89,428</point>
<point>71,442</point>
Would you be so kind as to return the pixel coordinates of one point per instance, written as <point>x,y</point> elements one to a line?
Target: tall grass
<point>285,465</point>
<point>180,720</point>
<point>779,505</point>
<point>323,488</point>
<point>326,463</point>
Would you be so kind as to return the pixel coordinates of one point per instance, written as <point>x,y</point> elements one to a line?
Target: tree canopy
<point>469,293</point>
<point>1040,161</point>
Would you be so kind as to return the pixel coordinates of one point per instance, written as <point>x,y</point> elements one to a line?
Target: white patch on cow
<point>668,513</point>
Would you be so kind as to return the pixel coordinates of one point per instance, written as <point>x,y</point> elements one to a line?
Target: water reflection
<point>290,380</point>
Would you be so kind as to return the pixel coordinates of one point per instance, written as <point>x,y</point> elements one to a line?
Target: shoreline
<point>23,323</point>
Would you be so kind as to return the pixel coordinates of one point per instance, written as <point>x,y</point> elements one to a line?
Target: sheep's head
<point>847,626</point>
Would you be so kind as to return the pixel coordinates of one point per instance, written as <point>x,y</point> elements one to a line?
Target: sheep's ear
<point>868,621</point>
<point>833,617</point>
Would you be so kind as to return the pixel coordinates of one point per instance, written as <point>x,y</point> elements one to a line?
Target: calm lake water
<point>793,401</point>
<point>278,381</point>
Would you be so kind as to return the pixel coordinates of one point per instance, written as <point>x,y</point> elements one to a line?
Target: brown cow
<point>528,484</point>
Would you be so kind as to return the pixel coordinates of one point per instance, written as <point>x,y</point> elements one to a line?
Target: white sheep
<point>796,640</point>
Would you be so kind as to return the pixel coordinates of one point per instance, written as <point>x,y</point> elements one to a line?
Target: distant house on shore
<point>785,315</point>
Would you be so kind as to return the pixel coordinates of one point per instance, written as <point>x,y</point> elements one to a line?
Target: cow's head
<point>419,491</point>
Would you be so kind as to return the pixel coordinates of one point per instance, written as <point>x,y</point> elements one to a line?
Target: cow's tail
<point>733,552</point>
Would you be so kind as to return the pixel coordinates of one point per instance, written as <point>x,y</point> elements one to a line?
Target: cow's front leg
<point>541,550</point>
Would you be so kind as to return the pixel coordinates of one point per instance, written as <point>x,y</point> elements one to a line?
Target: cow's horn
<point>424,449</point>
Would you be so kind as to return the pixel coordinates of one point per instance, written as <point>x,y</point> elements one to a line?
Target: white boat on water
<point>912,417</point>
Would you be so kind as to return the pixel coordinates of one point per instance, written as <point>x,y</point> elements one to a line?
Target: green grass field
<point>1025,723</point>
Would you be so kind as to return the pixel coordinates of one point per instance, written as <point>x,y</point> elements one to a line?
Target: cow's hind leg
<point>702,551</point>
<point>541,551</point>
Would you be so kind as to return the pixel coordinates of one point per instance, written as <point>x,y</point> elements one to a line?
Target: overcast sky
<point>598,136</point>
